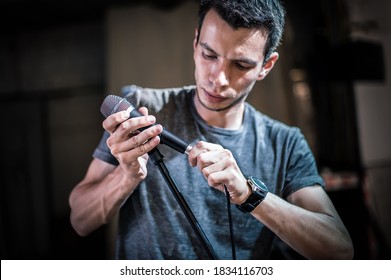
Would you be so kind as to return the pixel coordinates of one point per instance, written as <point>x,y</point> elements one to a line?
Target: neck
<point>231,118</point>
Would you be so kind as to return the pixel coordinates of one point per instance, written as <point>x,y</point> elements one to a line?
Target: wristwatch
<point>259,192</point>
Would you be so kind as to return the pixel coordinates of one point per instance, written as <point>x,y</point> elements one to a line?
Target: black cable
<point>158,160</point>
<point>231,230</point>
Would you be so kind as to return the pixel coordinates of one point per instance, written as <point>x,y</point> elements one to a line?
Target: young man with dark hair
<point>266,167</point>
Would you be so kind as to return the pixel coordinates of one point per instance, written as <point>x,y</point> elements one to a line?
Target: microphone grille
<point>113,104</point>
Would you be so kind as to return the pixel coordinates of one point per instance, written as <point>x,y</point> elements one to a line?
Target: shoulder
<point>156,98</point>
<point>271,127</point>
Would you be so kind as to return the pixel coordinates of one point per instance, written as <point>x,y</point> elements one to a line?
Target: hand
<point>219,168</point>
<point>130,146</point>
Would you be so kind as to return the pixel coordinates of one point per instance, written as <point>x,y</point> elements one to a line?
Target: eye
<point>243,66</point>
<point>208,55</point>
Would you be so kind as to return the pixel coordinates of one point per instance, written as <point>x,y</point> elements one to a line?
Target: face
<point>228,62</point>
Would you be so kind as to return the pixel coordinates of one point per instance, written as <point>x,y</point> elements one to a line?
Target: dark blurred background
<point>59,59</point>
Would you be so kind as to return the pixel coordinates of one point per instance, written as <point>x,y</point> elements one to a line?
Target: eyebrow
<point>243,59</point>
<point>207,47</point>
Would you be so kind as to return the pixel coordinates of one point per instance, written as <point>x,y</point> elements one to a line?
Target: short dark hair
<point>257,14</point>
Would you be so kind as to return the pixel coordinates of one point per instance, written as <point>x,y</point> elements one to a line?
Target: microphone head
<point>113,104</point>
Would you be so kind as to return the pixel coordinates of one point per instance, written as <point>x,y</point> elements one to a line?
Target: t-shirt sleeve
<point>102,152</point>
<point>301,167</point>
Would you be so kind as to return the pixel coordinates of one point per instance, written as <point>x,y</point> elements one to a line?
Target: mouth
<point>213,97</point>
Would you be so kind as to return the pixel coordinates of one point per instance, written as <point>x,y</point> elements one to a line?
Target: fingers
<point>120,120</point>
<point>219,168</point>
<point>211,165</point>
<point>200,148</point>
<point>213,161</point>
<point>126,142</point>
<point>129,153</point>
<point>143,111</point>
<point>139,142</point>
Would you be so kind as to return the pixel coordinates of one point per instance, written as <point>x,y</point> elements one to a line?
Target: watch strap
<point>258,194</point>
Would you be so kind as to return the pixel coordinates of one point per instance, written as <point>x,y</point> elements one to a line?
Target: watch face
<point>259,191</point>
<point>256,183</point>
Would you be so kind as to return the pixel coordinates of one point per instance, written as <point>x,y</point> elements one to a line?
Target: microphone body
<point>113,104</point>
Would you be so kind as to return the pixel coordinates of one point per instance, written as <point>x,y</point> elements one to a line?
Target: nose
<point>219,75</point>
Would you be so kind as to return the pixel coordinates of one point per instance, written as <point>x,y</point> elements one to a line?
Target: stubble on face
<point>227,107</point>
<point>228,63</point>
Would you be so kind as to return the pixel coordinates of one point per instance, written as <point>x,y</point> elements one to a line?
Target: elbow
<point>350,254</point>
<point>76,220</point>
<point>343,251</point>
<point>78,226</point>
<point>340,253</point>
<point>346,248</point>
<point>84,220</point>
<point>347,251</point>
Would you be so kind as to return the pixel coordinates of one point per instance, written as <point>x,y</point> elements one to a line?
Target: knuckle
<point>202,157</point>
<point>231,161</point>
<point>114,150</point>
<point>141,122</point>
<point>135,140</point>
<point>212,180</point>
<point>141,149</point>
<point>107,126</point>
<point>200,144</point>
<point>205,172</point>
<point>119,117</point>
<point>153,131</point>
<point>111,122</point>
<point>227,153</point>
<point>232,164</point>
<point>104,124</point>
<point>121,157</point>
<point>125,125</point>
<point>109,142</point>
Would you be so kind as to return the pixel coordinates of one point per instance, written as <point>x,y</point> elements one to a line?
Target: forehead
<point>217,32</point>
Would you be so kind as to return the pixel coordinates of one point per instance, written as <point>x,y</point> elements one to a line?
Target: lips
<point>212,97</point>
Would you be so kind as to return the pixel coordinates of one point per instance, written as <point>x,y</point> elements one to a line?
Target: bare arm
<point>98,196</point>
<point>104,188</point>
<point>308,221</point>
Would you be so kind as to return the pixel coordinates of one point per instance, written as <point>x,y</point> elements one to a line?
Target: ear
<point>268,66</point>
<point>195,42</point>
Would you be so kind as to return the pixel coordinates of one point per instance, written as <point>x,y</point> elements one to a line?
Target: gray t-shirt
<point>152,224</point>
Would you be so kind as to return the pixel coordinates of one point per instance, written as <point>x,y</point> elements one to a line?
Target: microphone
<point>113,104</point>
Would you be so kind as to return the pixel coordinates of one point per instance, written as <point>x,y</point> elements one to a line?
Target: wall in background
<point>51,87</point>
<point>370,22</point>
<point>56,68</point>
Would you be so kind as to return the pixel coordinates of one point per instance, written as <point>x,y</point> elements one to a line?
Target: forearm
<point>94,204</point>
<point>314,235</point>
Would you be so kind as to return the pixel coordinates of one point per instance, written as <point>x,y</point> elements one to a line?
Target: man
<point>234,148</point>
